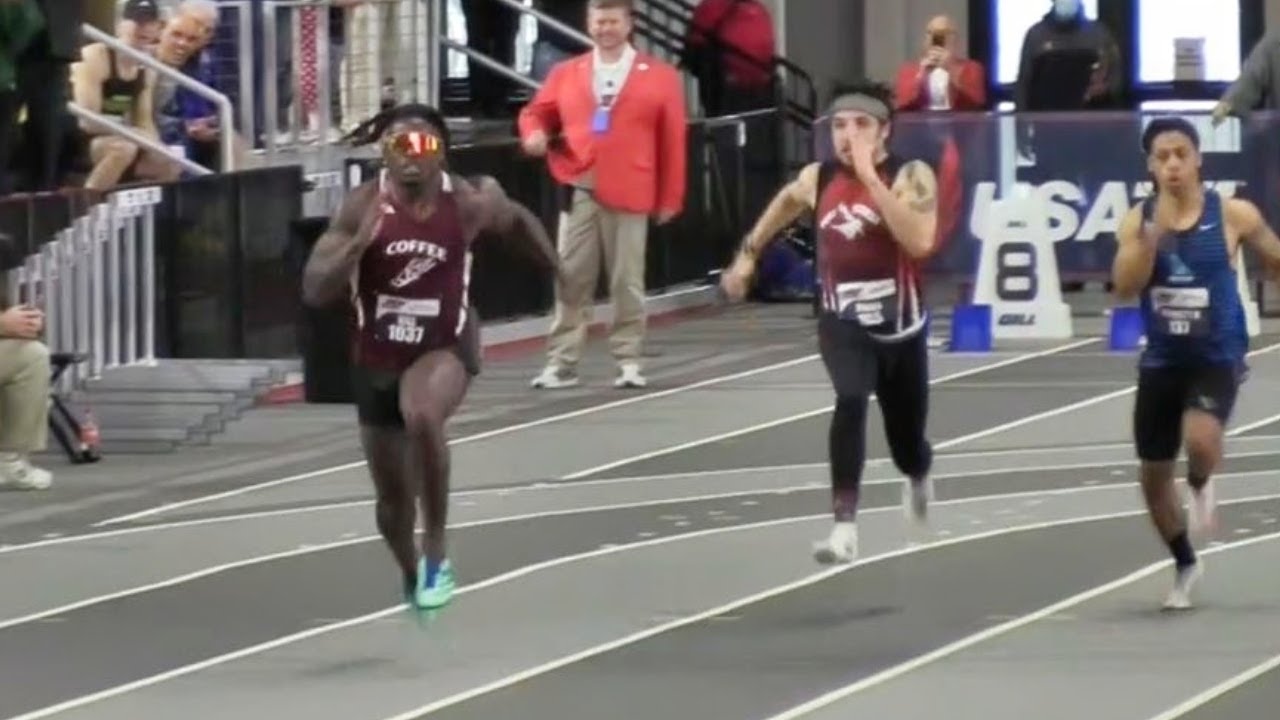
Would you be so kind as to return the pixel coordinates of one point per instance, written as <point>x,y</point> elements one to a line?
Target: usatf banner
<point>1088,168</point>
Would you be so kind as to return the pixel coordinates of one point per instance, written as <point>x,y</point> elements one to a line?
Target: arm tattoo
<point>923,199</point>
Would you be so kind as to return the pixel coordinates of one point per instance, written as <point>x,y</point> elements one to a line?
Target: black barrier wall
<point>230,247</point>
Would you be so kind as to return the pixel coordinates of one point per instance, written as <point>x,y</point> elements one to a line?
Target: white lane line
<point>611,405</point>
<point>813,413</point>
<point>612,549</point>
<point>1063,410</point>
<point>564,560</point>
<point>1221,688</point>
<point>544,486</point>
<point>1253,425</point>
<point>361,539</point>
<point>758,597</point>
<point>998,630</point>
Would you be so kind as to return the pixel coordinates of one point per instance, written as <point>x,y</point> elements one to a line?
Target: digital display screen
<point>1216,22</point>
<point>1013,18</point>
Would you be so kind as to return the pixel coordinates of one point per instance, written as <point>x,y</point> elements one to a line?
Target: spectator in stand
<point>940,79</point>
<point>119,88</point>
<point>24,395</point>
<point>43,70</point>
<point>730,48</point>
<point>1255,89</point>
<point>20,22</point>
<point>1065,27</point>
<point>185,118</point>
<point>552,46</point>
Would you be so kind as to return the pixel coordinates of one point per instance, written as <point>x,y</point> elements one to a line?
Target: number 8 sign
<point>1018,272</point>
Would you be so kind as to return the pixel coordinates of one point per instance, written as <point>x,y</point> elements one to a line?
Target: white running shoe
<point>18,472</point>
<point>554,377</point>
<point>841,546</point>
<point>1202,520</point>
<point>1184,580</point>
<point>916,498</point>
<point>629,376</point>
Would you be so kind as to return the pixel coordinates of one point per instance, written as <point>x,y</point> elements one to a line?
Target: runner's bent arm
<point>1255,231</point>
<point>910,207</point>
<point>514,223</point>
<point>1135,256</point>
<point>338,251</point>
<point>792,200</point>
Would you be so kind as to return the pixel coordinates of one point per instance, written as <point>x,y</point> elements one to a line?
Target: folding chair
<point>77,435</point>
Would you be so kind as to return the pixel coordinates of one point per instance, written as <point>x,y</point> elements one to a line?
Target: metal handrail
<point>549,21</point>
<point>225,116</point>
<point>490,63</point>
<point>132,134</point>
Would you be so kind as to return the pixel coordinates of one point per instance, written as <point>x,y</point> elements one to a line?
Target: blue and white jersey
<point>1191,306</point>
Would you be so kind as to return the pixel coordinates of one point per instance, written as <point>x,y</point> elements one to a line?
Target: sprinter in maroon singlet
<point>875,218</point>
<point>400,249</point>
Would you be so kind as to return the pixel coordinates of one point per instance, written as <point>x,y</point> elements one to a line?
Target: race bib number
<point>871,304</point>
<point>403,320</point>
<point>1182,312</point>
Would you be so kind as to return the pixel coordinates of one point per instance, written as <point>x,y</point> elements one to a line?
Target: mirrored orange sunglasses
<point>413,143</point>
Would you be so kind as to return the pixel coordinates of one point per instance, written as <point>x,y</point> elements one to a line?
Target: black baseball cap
<point>141,11</point>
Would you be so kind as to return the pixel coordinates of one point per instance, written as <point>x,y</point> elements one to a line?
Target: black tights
<point>898,373</point>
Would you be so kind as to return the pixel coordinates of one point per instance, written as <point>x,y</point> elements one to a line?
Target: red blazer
<point>640,162</point>
<point>968,92</point>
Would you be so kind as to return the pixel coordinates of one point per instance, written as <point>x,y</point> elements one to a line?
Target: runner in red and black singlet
<point>399,249</point>
<point>875,217</point>
<point>410,289</point>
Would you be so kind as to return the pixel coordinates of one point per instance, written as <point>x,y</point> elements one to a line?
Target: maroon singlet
<point>410,288</point>
<point>866,276</point>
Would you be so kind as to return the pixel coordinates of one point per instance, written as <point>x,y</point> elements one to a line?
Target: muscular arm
<point>792,200</point>
<point>910,207</point>
<point>1245,218</point>
<point>1135,257</point>
<point>496,212</point>
<point>338,251</point>
<point>86,84</point>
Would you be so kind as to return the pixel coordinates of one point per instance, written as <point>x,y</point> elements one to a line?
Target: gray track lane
<point>814,639</point>
<point>257,449</point>
<point>1113,656</point>
<point>99,567</point>
<point>98,646</point>
<point>1255,700</point>
<point>384,670</point>
<point>951,415</point>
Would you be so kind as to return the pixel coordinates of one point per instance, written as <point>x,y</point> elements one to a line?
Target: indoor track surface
<point>647,557</point>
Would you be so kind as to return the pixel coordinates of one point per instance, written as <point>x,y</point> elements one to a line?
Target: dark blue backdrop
<point>1088,165</point>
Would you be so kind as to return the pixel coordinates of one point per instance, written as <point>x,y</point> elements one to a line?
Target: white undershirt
<point>939,83</point>
<point>607,78</point>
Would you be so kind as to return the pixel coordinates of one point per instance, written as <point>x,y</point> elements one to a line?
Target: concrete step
<point>171,397</point>
<point>205,417</point>
<point>239,378</point>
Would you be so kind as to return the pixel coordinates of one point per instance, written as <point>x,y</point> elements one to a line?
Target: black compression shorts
<point>1165,393</point>
<point>377,392</point>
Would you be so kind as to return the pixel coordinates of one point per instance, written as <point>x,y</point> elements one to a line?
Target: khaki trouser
<point>589,233</point>
<point>24,396</point>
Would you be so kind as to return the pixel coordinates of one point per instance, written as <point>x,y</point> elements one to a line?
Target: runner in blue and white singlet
<point>1191,307</point>
<point>1179,254</point>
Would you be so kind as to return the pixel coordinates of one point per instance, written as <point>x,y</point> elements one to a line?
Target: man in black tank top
<point>881,223</point>
<point>403,415</point>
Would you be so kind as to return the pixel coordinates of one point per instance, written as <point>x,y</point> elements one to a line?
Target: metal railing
<point>96,284</point>
<point>225,116</point>
<point>131,134</point>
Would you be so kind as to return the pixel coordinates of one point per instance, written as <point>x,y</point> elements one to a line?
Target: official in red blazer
<point>940,80</point>
<point>612,124</point>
